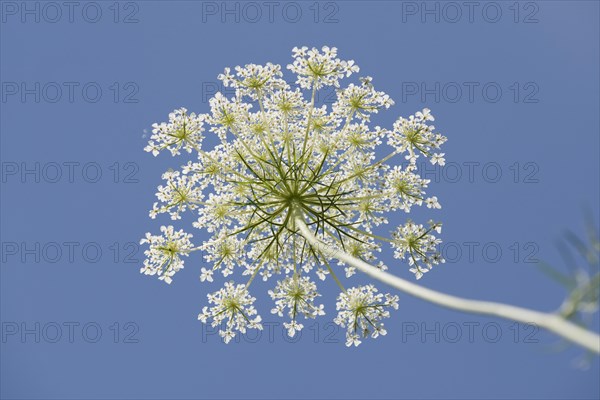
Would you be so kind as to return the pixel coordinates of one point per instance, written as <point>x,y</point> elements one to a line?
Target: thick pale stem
<point>550,321</point>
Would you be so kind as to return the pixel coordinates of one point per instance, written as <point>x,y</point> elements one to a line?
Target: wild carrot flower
<point>280,156</point>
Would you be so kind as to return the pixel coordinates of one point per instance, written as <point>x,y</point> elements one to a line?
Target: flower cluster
<point>182,131</point>
<point>361,101</point>
<point>361,309</point>
<point>232,305</point>
<point>281,160</point>
<point>163,257</point>
<point>405,188</point>
<point>413,134</point>
<point>178,194</point>
<point>297,295</point>
<point>418,245</point>
<point>315,69</point>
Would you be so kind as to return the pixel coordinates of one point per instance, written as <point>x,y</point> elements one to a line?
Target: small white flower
<point>425,115</point>
<point>227,335</point>
<point>322,273</point>
<point>438,158</point>
<point>432,202</point>
<point>292,327</point>
<point>349,271</point>
<point>206,275</point>
<point>352,339</point>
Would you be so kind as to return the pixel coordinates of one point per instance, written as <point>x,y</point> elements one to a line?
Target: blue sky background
<point>547,122</point>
